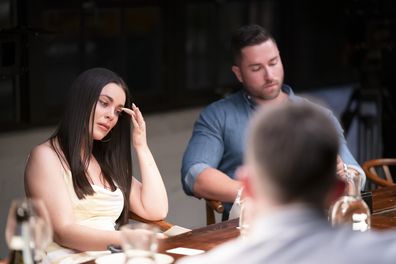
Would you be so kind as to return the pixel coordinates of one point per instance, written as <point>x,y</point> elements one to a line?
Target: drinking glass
<point>139,242</point>
<point>40,228</point>
<point>351,209</point>
<point>246,215</point>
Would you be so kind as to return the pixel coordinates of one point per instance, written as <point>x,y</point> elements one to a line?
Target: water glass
<point>352,211</point>
<point>139,242</point>
<point>40,228</point>
<point>246,215</point>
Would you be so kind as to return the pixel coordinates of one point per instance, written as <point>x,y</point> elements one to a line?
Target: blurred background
<point>175,58</point>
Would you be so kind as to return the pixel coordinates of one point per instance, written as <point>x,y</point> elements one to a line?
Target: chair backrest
<point>162,224</point>
<point>213,206</point>
<point>377,170</point>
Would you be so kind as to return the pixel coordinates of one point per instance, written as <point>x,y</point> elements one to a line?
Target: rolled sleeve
<point>204,150</point>
<point>191,176</point>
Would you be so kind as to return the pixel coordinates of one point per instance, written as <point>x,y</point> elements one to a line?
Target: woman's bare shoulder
<point>44,150</point>
<point>44,155</point>
<point>43,169</point>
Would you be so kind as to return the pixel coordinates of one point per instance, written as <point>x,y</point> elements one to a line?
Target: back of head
<point>248,36</point>
<point>293,148</point>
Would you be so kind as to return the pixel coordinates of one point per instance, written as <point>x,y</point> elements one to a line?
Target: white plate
<point>119,258</point>
<point>82,257</point>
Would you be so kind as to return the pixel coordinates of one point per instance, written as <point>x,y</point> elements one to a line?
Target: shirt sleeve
<point>205,148</point>
<point>345,153</point>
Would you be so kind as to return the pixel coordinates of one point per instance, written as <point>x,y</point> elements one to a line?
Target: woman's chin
<point>99,137</point>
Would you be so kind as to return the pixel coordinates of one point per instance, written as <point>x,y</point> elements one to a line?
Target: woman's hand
<point>148,198</point>
<point>139,126</point>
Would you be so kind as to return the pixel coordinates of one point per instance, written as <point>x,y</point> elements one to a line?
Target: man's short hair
<point>294,146</point>
<point>248,36</point>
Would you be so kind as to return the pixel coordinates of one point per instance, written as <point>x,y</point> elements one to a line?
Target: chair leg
<point>210,217</point>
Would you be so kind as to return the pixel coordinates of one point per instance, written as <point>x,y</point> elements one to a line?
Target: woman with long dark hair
<point>83,172</point>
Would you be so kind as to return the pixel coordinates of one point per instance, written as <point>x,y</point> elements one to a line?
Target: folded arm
<point>215,185</point>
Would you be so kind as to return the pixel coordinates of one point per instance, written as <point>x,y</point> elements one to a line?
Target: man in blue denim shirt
<point>216,147</point>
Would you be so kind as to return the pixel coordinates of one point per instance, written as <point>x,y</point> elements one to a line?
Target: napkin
<point>185,251</point>
<point>176,230</point>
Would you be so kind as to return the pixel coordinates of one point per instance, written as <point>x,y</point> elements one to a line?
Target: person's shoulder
<point>312,101</point>
<point>44,149</point>
<point>43,168</point>
<point>227,103</point>
<point>357,242</point>
<point>43,153</point>
<point>231,98</point>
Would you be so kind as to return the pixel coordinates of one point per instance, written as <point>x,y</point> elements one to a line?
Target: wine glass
<point>351,209</point>
<point>41,229</point>
<point>39,226</point>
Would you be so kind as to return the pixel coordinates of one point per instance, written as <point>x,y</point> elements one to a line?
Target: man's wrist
<point>351,169</point>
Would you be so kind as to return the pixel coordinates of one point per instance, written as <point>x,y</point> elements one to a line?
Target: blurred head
<point>291,154</point>
<point>257,63</point>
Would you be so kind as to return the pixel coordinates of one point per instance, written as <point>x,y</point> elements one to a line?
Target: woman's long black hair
<point>74,137</point>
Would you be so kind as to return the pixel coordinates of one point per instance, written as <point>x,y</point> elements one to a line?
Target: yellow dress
<point>99,211</point>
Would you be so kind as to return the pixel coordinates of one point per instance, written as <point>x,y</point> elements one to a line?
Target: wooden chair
<point>162,224</point>
<point>378,172</point>
<point>213,206</point>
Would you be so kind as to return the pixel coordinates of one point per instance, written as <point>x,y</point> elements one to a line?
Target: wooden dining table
<point>383,216</point>
<point>206,238</point>
<point>384,208</point>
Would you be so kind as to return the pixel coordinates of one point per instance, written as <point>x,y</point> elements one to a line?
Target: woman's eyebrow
<point>108,97</point>
<point>111,99</point>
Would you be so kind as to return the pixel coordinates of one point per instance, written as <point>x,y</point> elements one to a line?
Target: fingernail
<point>133,105</point>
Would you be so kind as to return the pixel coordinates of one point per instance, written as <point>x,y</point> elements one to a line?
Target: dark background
<point>176,54</point>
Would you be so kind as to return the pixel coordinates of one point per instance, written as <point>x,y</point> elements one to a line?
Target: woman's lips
<point>104,127</point>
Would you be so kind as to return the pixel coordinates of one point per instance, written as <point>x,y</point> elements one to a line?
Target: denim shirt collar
<point>252,104</point>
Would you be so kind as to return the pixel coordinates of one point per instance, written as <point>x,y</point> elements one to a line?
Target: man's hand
<point>340,168</point>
